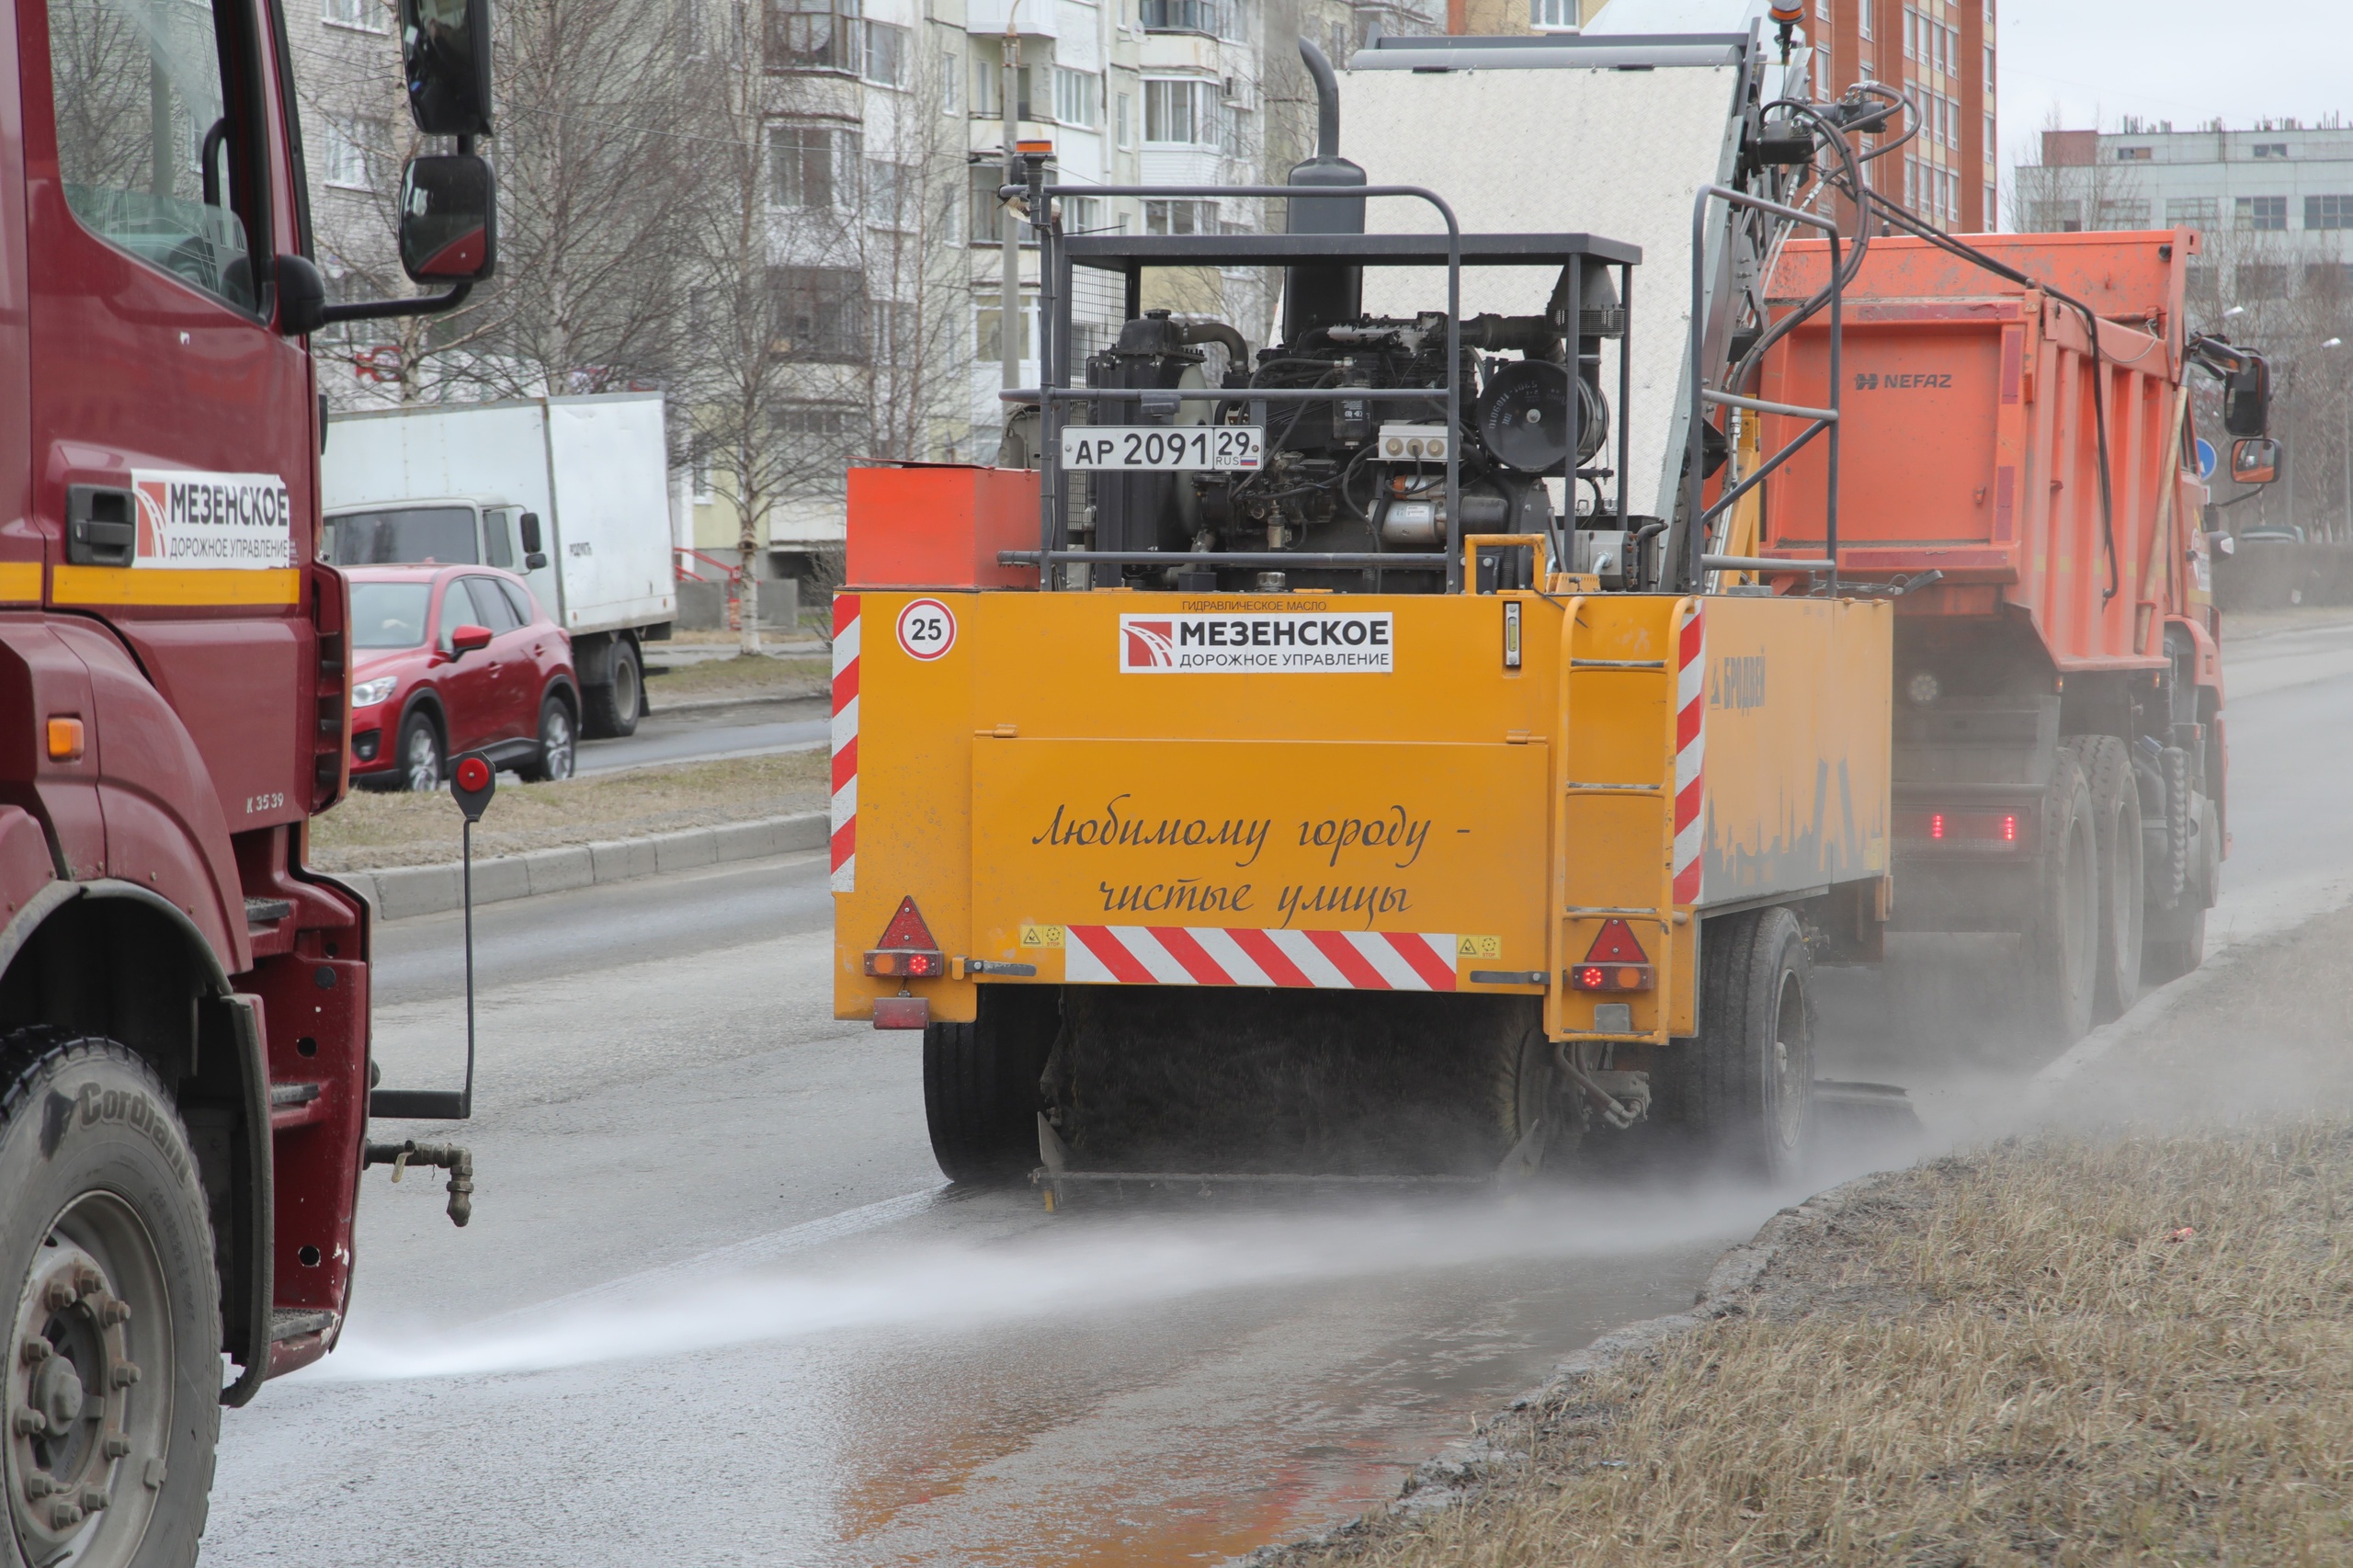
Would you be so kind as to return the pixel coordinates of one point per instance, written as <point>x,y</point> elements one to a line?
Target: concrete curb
<point>399,891</point>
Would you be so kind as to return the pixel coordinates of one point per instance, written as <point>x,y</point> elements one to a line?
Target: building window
<point>2123,216</point>
<point>1180,113</point>
<point>813,35</point>
<point>1863,18</point>
<point>1181,218</point>
<point>2328,211</point>
<point>1989,138</point>
<point>2189,211</point>
<point>812,166</point>
<point>951,82</point>
<point>813,431</point>
<point>818,312</point>
<point>888,202</point>
<point>1181,17</point>
<point>2268,281</point>
<point>1082,214</point>
<point>986,212</point>
<point>1552,15</point>
<point>886,54</point>
<point>2133,154</point>
<point>2271,149</point>
<point>365,14</point>
<point>1123,121</point>
<point>988,344</point>
<point>2332,278</point>
<point>988,83</point>
<point>344,160</point>
<point>1076,94</point>
<point>2199,280</point>
<point>1985,214</point>
<point>2059,217</point>
<point>2264,214</point>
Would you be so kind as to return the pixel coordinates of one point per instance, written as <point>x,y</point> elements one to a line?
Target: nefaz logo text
<point>1278,642</point>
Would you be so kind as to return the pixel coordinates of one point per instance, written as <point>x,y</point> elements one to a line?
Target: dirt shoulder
<point>369,831</point>
<point>2125,1336</point>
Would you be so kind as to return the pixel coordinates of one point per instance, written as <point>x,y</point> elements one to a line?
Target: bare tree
<point>595,176</point>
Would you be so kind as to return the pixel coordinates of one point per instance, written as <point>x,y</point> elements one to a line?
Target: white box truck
<point>574,493</point>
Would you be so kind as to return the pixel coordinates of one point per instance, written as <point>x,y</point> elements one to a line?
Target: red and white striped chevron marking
<point>1214,955</point>
<point>1691,751</point>
<point>845,736</point>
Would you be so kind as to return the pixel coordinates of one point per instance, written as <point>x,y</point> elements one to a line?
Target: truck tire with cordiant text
<point>112,1363</point>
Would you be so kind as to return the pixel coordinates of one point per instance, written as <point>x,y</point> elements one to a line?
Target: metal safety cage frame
<point>1689,559</point>
<point>1131,254</point>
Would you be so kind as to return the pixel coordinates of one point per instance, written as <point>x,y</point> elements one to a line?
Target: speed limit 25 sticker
<point>926,629</point>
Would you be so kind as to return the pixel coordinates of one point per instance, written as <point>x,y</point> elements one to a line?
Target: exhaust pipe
<point>1323,295</point>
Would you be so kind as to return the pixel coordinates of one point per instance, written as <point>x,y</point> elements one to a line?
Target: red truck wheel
<point>112,1366</point>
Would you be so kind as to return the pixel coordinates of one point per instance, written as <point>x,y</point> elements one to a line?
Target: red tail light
<point>906,951</point>
<point>1616,961</point>
<point>1937,825</point>
<point>2010,828</point>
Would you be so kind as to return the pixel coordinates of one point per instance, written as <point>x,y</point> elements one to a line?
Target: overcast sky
<point>2170,60</point>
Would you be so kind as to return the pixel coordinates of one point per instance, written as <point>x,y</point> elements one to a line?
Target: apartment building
<point>2274,201</point>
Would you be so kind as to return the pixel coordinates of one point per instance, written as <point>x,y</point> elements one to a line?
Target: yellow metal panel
<point>1271,834</point>
<point>1798,714</point>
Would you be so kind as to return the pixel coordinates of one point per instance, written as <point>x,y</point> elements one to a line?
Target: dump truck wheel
<point>2115,823</point>
<point>2176,942</point>
<point>980,1082</point>
<point>2061,940</point>
<point>1745,1083</point>
<point>112,1361</point>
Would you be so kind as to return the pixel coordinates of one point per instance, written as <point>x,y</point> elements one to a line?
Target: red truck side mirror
<point>469,639</point>
<point>2255,460</point>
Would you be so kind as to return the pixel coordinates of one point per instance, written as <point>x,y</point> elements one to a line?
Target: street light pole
<point>1009,317</point>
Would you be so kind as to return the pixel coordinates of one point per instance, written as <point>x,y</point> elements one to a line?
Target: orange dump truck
<point>2058,758</point>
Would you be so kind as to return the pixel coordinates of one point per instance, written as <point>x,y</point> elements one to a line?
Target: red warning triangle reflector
<point>907,930</point>
<point>1616,944</point>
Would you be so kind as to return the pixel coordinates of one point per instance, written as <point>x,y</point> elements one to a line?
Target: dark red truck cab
<point>183,1008</point>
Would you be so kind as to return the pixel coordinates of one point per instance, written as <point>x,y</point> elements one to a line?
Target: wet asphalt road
<point>700,735</point>
<point>716,1306</point>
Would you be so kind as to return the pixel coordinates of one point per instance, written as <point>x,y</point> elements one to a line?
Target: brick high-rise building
<point>1941,54</point>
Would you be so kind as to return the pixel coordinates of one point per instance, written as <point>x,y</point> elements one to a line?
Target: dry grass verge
<point>2006,1359</point>
<point>745,674</point>
<point>2129,1345</point>
<point>370,831</point>
<point>2243,623</point>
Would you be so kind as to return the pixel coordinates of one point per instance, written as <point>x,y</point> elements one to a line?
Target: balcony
<point>1183,16</point>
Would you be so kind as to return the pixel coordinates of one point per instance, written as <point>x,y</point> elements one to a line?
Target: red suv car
<point>453,659</point>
